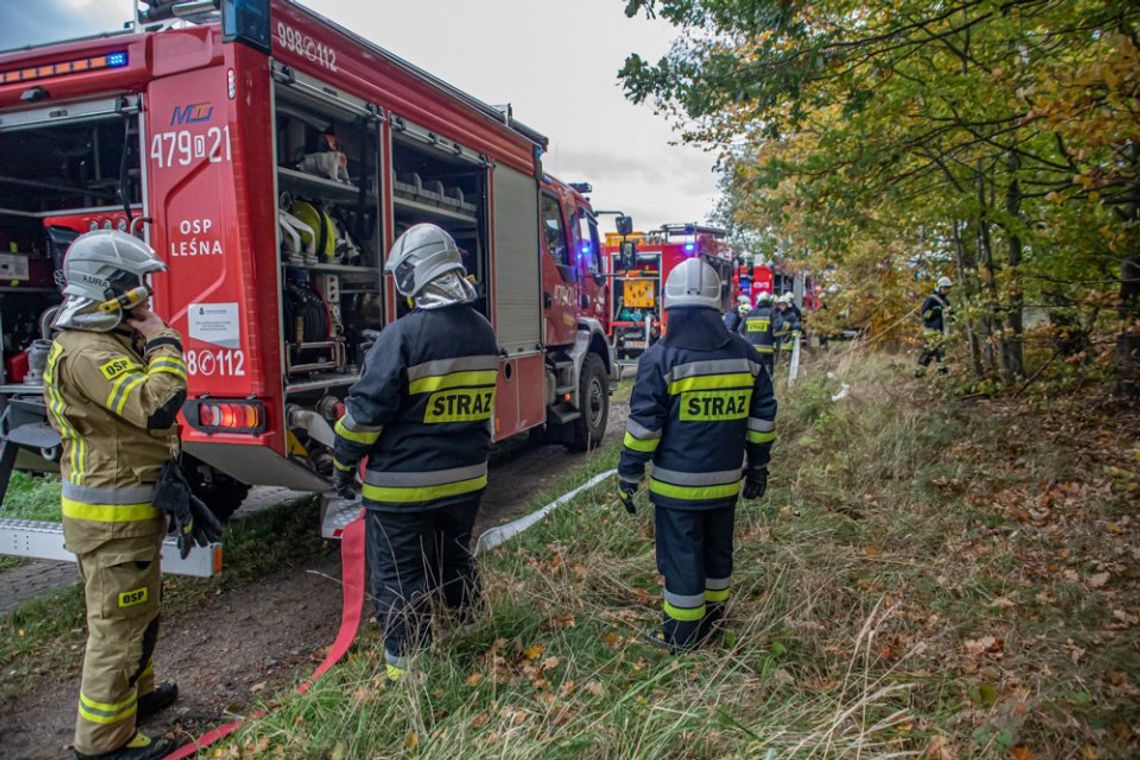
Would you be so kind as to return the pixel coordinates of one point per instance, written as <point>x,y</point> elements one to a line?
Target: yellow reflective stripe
<point>757,437</point>
<point>108,707</point>
<point>412,494</point>
<point>171,365</point>
<point>637,444</point>
<point>693,493</point>
<point>77,510</point>
<point>719,595</point>
<point>93,717</point>
<point>341,466</point>
<point>685,614</point>
<point>711,382</point>
<point>367,437</point>
<point>454,380</point>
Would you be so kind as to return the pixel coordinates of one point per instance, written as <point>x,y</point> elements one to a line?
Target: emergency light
<point>116,60</point>
<point>690,247</point>
<point>247,21</point>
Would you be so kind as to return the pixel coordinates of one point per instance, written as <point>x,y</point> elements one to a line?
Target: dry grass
<point>926,578</point>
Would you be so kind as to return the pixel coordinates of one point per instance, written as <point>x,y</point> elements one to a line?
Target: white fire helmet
<point>101,265</point>
<point>945,282</point>
<point>693,283</point>
<point>420,255</point>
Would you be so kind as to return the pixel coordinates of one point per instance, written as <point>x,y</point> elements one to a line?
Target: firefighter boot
<point>156,701</point>
<point>140,747</point>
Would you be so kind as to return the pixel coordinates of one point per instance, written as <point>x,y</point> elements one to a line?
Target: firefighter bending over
<point>703,411</point>
<point>422,413</point>
<point>114,383</point>
<point>935,323</point>
<point>757,330</point>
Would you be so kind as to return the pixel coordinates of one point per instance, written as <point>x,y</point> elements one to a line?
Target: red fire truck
<point>640,262</point>
<point>271,157</point>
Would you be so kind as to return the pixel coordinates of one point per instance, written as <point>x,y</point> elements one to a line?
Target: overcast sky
<point>556,62</point>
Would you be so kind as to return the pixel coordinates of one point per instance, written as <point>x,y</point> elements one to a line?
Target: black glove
<point>344,481</point>
<point>626,490</point>
<point>190,519</point>
<point>204,527</point>
<point>756,483</point>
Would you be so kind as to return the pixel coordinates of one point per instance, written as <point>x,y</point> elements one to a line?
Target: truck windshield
<point>46,21</point>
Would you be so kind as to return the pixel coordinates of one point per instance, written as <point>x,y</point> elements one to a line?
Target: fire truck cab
<point>271,159</point>
<point>640,263</point>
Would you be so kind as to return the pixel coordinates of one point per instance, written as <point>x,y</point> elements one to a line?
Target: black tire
<point>594,394</point>
<point>221,493</point>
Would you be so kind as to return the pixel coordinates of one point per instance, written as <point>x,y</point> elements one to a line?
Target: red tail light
<point>226,415</point>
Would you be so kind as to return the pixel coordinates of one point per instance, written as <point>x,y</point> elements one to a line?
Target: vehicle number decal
<point>223,362</point>
<point>305,46</point>
<point>183,147</point>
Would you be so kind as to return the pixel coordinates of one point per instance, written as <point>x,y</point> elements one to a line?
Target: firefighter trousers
<point>414,559</point>
<point>694,554</point>
<point>122,583</point>
<point>933,348</point>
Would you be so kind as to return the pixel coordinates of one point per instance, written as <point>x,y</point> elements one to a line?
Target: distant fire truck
<point>271,157</point>
<point>752,280</point>
<point>640,263</point>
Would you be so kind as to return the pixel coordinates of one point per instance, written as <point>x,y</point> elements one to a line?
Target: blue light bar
<point>117,60</point>
<point>690,247</point>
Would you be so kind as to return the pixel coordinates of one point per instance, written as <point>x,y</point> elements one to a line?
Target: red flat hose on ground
<point>352,584</point>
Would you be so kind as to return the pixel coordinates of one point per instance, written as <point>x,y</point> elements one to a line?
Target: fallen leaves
<point>986,645</point>
<point>1099,580</point>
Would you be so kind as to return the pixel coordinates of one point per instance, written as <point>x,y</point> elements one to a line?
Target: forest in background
<point>881,145</point>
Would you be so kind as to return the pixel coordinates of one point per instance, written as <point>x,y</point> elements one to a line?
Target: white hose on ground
<point>502,533</point>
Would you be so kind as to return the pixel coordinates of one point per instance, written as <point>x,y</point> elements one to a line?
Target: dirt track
<point>262,635</point>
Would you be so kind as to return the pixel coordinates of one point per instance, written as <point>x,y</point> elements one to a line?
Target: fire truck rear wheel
<point>221,493</point>
<point>594,396</point>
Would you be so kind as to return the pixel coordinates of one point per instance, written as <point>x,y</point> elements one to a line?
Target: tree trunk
<point>1014,357</point>
<point>965,267</point>
<point>1128,340</point>
<point>989,281</point>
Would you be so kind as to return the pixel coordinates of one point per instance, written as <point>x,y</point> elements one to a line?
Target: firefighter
<point>787,323</point>
<point>734,320</point>
<point>935,323</point>
<point>757,330</point>
<point>421,413</point>
<point>703,411</point>
<point>114,383</point>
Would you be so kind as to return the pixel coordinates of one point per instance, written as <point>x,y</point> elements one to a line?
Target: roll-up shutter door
<point>518,291</point>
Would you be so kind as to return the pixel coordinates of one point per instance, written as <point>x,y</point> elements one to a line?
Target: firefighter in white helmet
<point>703,412</point>
<point>114,383</point>
<point>935,327</point>
<point>422,413</point>
<point>732,318</point>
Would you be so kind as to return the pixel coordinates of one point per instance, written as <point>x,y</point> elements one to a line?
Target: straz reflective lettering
<point>115,367</point>
<point>460,405</point>
<point>715,406</point>
<point>758,325</point>
<point>133,597</point>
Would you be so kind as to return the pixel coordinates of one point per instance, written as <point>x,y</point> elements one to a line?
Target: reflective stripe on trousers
<point>414,487</point>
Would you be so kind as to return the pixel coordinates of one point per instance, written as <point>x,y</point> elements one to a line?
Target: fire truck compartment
<point>66,170</point>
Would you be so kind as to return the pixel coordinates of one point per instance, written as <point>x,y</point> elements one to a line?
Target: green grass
<point>32,497</point>
<point>892,594</point>
<point>45,636</point>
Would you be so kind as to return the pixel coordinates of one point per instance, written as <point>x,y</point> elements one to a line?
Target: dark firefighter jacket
<point>115,402</point>
<point>758,329</point>
<point>422,411</point>
<point>933,312</point>
<point>700,403</point>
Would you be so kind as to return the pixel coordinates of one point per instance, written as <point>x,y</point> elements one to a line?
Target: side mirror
<point>624,224</point>
<point>628,254</point>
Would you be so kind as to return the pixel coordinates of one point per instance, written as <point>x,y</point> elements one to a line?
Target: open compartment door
<point>518,289</point>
